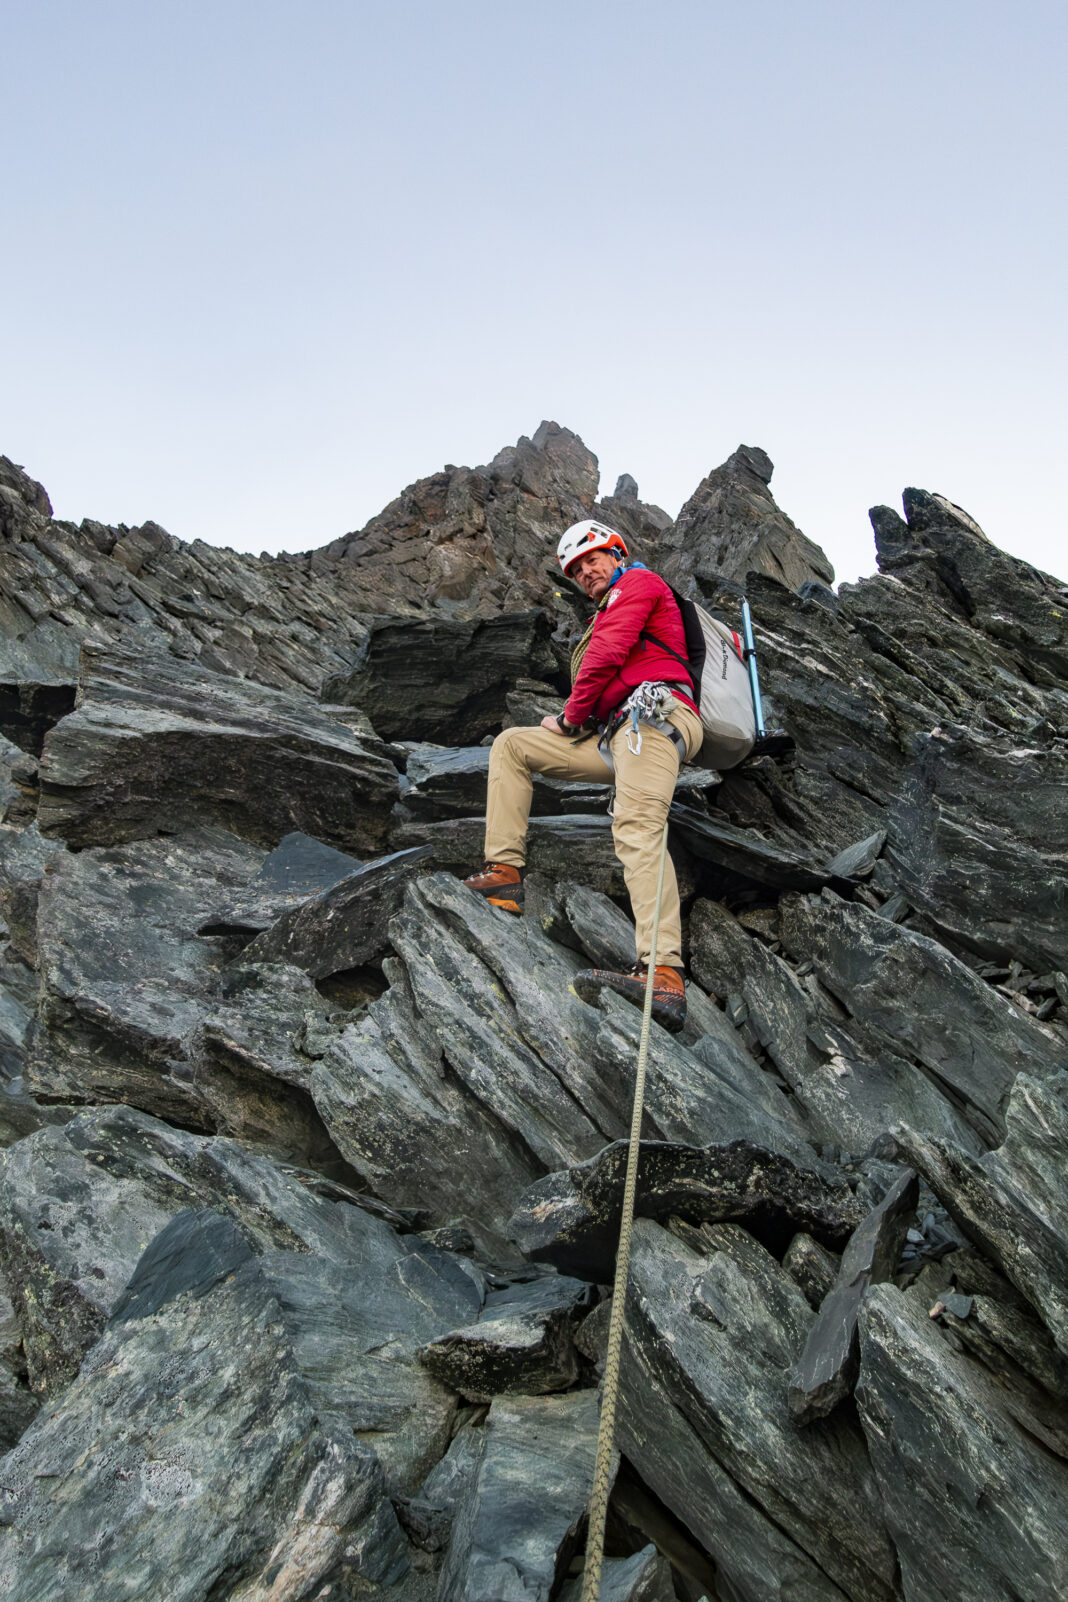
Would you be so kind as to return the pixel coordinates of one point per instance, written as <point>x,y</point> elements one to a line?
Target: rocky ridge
<point>313,1160</point>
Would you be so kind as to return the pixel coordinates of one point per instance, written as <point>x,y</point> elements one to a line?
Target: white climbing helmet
<point>581,538</point>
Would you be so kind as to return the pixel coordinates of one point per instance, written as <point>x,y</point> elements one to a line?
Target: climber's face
<point>593,573</point>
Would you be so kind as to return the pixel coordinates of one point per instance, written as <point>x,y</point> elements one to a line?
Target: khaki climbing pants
<point>644,787</point>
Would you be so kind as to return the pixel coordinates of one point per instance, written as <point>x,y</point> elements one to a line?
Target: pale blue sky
<point>265,264</point>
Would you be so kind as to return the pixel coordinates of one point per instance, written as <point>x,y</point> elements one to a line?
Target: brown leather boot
<point>500,883</point>
<point>669,992</point>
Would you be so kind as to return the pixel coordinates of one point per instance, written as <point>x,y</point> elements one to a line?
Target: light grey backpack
<point>716,661</point>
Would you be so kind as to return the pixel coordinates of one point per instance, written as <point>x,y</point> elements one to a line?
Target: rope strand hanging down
<point>602,1469</point>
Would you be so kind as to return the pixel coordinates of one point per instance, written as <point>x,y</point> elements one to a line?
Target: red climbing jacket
<point>617,660</point>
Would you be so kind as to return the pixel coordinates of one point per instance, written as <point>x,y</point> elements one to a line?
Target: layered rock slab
<point>853,1090</point>
<point>482,1053</point>
<point>960,1029</point>
<point>25,858</point>
<point>521,1346</point>
<point>346,924</point>
<point>299,867</point>
<point>910,717</point>
<point>712,1323</point>
<point>1012,1202</point>
<point>571,1219</point>
<point>188,1454</point>
<point>79,1206</point>
<point>123,974</point>
<point>519,1525</point>
<point>443,679</point>
<point>136,1008</point>
<point>154,746</point>
<point>827,1368</point>
<point>973,1504</point>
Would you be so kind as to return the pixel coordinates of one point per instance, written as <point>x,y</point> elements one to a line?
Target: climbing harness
<point>602,1469</point>
<point>652,702</point>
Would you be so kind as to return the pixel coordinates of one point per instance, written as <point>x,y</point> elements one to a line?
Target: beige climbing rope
<point>602,1469</point>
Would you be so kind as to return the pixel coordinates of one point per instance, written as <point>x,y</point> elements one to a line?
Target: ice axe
<point>778,743</point>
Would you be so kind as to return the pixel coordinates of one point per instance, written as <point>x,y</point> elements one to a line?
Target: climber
<point>638,697</point>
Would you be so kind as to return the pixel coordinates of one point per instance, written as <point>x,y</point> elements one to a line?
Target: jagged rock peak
<point>16,486</point>
<point>731,526</point>
<point>938,548</point>
<point>470,540</point>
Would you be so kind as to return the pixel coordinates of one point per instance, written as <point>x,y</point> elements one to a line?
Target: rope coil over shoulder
<point>603,1463</point>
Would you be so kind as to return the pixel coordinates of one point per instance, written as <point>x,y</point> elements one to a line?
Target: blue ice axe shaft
<point>751,664</point>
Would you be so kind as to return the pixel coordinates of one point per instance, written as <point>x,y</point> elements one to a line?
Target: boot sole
<point>515,907</point>
<point>671,1015</point>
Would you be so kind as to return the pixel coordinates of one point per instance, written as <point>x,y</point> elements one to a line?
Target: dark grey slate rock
<point>135,1008</point>
<point>827,1368</point>
<point>10,758</point>
<point>926,705</point>
<point>571,1219</point>
<point>345,925</point>
<point>521,1522</point>
<point>755,1560</point>
<point>18,1404</point>
<point>731,526</point>
<point>20,1112</point>
<point>576,846</point>
<point>714,1041</point>
<point>192,1254</point>
<point>1012,1343</point>
<point>445,782</point>
<point>1031,1376</point>
<point>25,857</point>
<point>928,716</point>
<point>297,868</point>
<point>1012,1202</point>
<point>441,1063</point>
<point>19,786</point>
<point>188,1454</point>
<point>960,1029</point>
<point>709,1091</point>
<point>712,1324</point>
<point>480,1032</point>
<point>521,1346</point>
<point>812,1267</point>
<point>357,1325</point>
<point>644,1577</point>
<point>977,840</point>
<point>851,1090</point>
<point>529,702</point>
<point>30,707</point>
<point>443,680</point>
<point>79,1205</point>
<point>122,971</point>
<point>973,1504</point>
<point>585,920</point>
<point>745,852</point>
<point>428,1516</point>
<point>153,747</point>
<point>857,861</point>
